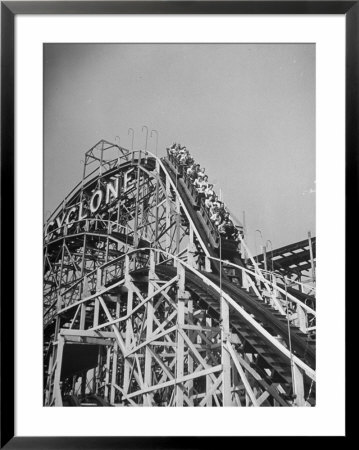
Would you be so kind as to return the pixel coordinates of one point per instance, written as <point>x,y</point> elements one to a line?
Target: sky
<point>246,112</point>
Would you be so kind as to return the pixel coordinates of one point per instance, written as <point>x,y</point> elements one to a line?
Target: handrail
<point>303,305</point>
<point>279,275</point>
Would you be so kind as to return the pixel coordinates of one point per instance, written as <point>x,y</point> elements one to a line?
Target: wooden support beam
<point>114,364</point>
<point>84,340</point>
<point>87,333</point>
<point>191,335</point>
<point>298,386</point>
<point>225,356</point>
<point>180,341</point>
<point>131,312</point>
<point>151,340</point>
<point>149,327</point>
<point>107,369</point>
<point>244,379</point>
<point>127,362</point>
<point>57,378</point>
<point>202,373</point>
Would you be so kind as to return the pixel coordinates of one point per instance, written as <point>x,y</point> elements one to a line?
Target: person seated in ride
<point>209,191</point>
<point>178,155</point>
<point>198,182</point>
<point>227,216</point>
<point>217,202</point>
<point>173,149</point>
<point>216,218</point>
<point>214,208</point>
<point>190,160</point>
<point>204,183</point>
<point>209,201</point>
<point>191,172</point>
<point>200,189</point>
<point>222,228</point>
<point>201,171</point>
<point>215,215</point>
<point>221,209</point>
<point>183,159</point>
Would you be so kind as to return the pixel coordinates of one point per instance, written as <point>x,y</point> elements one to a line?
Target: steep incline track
<point>302,347</point>
<point>273,322</point>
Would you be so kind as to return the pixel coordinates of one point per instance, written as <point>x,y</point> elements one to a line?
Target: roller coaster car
<point>229,247</point>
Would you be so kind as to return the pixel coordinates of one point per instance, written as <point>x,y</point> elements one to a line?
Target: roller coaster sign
<point>86,209</point>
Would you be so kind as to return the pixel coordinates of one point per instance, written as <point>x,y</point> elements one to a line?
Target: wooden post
<point>135,237</point>
<point>180,340</point>
<point>225,358</point>
<point>107,376</point>
<point>127,363</point>
<point>244,253</point>
<point>192,334</point>
<point>311,255</point>
<point>97,303</point>
<point>157,197</point>
<point>302,319</point>
<point>265,260</point>
<point>178,225</point>
<point>114,363</point>
<point>168,214</point>
<point>57,379</point>
<point>83,291</point>
<point>149,328</point>
<point>298,386</point>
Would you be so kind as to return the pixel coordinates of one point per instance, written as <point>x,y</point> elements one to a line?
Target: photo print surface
<point>179,225</point>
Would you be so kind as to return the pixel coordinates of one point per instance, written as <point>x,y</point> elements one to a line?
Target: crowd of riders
<point>218,214</point>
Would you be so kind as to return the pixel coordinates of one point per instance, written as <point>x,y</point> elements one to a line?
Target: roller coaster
<point>146,304</point>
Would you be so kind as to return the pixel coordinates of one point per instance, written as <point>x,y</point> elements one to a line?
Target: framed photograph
<point>174,190</point>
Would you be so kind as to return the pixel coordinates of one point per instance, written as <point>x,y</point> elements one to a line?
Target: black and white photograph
<point>179,258</point>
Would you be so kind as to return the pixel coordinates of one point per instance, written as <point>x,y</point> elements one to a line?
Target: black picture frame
<point>9,10</point>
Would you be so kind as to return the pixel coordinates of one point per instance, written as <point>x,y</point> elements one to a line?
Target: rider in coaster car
<point>209,201</point>
<point>221,208</point>
<point>214,208</point>
<point>190,160</point>
<point>173,149</point>
<point>198,182</point>
<point>201,171</point>
<point>216,219</point>
<point>183,158</point>
<point>191,172</point>
<point>204,183</point>
<point>182,151</point>
<point>209,191</point>
<point>200,190</point>
<point>222,228</point>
